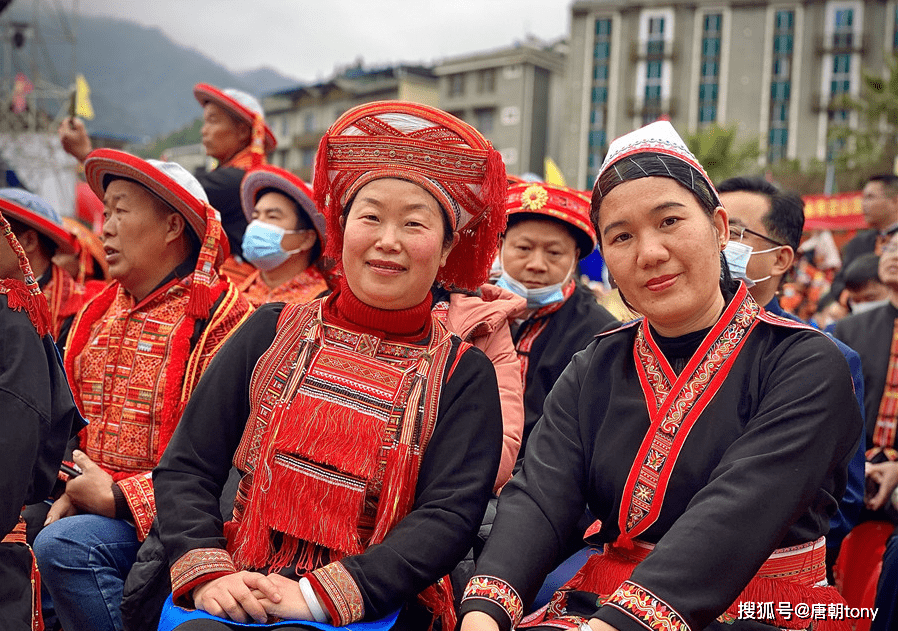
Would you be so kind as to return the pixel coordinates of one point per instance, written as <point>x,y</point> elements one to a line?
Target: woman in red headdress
<point>367,436</point>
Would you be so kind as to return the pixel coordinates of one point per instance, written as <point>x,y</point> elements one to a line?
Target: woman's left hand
<point>292,605</point>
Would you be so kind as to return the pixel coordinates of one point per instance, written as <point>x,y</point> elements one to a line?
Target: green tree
<point>872,146</point>
<point>718,150</point>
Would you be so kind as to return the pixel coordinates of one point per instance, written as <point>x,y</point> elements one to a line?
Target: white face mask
<point>737,255</point>
<point>861,307</point>
<point>539,296</point>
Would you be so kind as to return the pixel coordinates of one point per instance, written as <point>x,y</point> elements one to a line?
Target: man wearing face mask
<point>283,240</point>
<point>548,232</point>
<point>765,230</point>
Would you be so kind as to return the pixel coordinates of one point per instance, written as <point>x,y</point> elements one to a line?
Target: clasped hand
<point>90,492</point>
<point>251,596</point>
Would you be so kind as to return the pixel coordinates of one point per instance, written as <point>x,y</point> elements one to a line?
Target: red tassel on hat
<point>257,146</point>
<point>469,263</point>
<point>206,288</point>
<point>27,295</point>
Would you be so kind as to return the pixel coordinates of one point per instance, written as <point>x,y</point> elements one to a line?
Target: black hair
<point>889,182</point>
<point>648,164</point>
<point>861,271</point>
<point>581,239</point>
<point>785,219</point>
<point>46,244</point>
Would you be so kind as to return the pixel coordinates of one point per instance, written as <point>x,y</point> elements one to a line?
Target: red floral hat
<point>35,212</point>
<point>269,176</point>
<point>242,105</point>
<point>174,185</point>
<point>27,295</point>
<point>426,146</point>
<point>559,202</point>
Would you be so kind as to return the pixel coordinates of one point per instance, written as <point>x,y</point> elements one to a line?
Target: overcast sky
<point>306,39</point>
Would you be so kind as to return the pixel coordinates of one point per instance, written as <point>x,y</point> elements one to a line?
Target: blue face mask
<point>737,255</point>
<point>262,245</point>
<point>537,297</point>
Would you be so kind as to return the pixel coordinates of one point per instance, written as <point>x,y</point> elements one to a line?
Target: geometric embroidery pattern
<point>645,607</point>
<point>674,404</point>
<point>496,591</point>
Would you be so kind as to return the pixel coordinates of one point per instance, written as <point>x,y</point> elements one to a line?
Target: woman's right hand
<point>885,474</point>
<point>478,621</point>
<point>231,596</point>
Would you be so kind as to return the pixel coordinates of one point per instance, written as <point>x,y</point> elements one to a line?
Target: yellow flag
<point>553,173</point>
<point>83,108</point>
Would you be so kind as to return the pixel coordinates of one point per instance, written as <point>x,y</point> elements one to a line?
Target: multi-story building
<point>512,96</point>
<point>299,116</point>
<point>774,68</point>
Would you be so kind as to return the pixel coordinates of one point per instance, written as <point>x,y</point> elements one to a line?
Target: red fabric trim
<point>346,309</point>
<point>197,567</point>
<point>339,593</point>
<point>677,410</point>
<point>138,492</point>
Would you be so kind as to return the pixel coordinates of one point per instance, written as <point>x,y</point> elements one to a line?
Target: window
<point>654,70</point>
<point>307,157</point>
<point>308,122</point>
<point>457,84</point>
<point>780,85</point>
<point>843,36</point>
<point>598,136</point>
<point>485,120</point>
<point>709,79</point>
<point>486,81</point>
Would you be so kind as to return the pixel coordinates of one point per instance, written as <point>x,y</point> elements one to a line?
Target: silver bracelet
<point>305,586</point>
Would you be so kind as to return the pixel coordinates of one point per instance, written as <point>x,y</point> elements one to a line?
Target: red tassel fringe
<point>398,491</point>
<point>18,297</point>
<point>469,263</point>
<point>438,599</point>
<point>330,434</point>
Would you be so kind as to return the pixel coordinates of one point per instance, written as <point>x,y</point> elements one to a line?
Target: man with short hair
<point>135,354</point>
<point>41,233</point>
<point>862,285</point>
<point>771,222</point>
<point>234,133</point>
<point>879,203</point>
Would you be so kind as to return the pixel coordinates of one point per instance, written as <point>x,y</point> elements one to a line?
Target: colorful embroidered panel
<point>498,592</point>
<point>645,607</point>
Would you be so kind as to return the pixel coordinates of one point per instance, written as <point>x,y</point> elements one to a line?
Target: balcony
<point>639,52</point>
<point>842,43</point>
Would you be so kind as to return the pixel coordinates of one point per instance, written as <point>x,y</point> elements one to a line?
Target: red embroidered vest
<point>340,418</point>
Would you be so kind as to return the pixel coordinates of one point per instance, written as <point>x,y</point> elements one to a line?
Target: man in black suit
<point>880,207</point>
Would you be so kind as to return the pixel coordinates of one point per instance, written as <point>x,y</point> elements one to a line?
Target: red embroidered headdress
<point>246,108</point>
<point>659,137</point>
<point>25,295</point>
<point>35,212</point>
<point>421,144</point>
<point>174,185</point>
<point>559,202</point>
<point>268,176</point>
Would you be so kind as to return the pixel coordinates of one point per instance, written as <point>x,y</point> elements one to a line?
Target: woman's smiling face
<point>393,244</point>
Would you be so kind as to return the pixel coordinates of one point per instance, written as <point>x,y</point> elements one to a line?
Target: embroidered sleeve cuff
<point>138,492</point>
<point>197,567</point>
<point>642,606</point>
<point>339,593</point>
<point>498,592</point>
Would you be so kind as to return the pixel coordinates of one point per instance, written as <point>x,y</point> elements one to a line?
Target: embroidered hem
<point>646,608</point>
<point>199,566</point>
<point>496,591</point>
<point>339,593</point>
<point>138,492</point>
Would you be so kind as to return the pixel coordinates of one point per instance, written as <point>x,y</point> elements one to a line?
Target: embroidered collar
<point>674,405</point>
